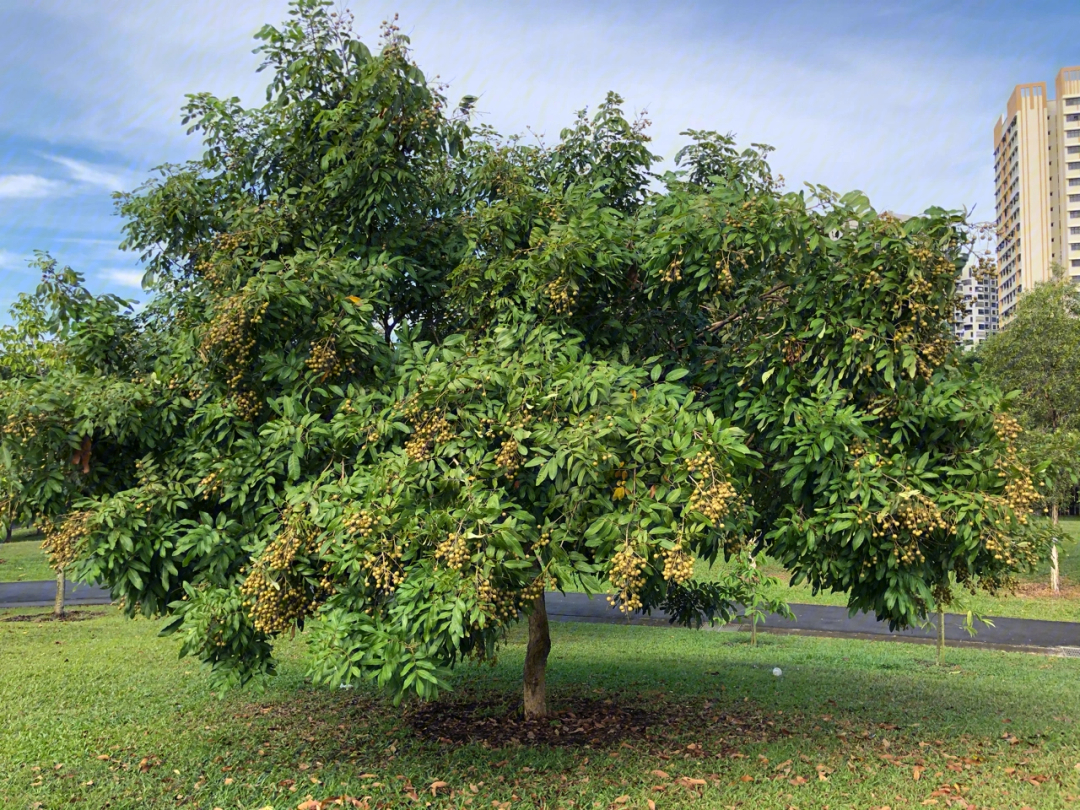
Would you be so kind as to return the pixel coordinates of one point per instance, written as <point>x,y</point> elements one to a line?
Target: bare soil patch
<point>1039,590</point>
<point>588,722</point>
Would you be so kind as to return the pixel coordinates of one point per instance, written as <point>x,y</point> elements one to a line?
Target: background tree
<point>399,376</point>
<point>1037,355</point>
<point>60,332</point>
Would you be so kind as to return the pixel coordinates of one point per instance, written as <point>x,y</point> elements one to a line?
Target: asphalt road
<point>834,621</point>
<point>1030,634</point>
<point>43,593</point>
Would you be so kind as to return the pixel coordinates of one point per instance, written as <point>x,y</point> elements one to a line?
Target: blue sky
<point>897,99</point>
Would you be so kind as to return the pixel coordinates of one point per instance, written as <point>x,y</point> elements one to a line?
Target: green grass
<point>23,560</point>
<point>1032,600</point>
<point>100,713</point>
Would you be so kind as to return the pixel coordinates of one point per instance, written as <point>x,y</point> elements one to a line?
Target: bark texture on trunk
<point>1055,572</point>
<point>58,605</point>
<point>536,661</point>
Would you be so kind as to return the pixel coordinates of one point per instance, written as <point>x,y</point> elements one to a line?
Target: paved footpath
<point>1030,634</point>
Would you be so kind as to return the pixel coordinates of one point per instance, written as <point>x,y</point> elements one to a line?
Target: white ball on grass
<point>777,671</point>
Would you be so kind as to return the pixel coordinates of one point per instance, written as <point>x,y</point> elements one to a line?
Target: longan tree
<point>1037,355</point>
<point>399,376</point>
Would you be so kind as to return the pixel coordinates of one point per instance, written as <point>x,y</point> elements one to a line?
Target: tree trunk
<point>940,635</point>
<point>1055,572</point>
<point>536,661</point>
<point>58,605</point>
<point>8,530</point>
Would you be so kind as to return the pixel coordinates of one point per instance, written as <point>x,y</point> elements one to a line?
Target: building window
<point>1075,262</point>
<point>1072,167</point>
<point>1074,215</point>
<point>1072,102</point>
<point>1074,231</point>
<point>1074,245</point>
<point>1073,150</point>
<point>1072,133</point>
<point>1073,117</point>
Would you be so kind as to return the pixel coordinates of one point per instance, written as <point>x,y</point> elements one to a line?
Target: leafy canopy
<point>399,375</point>
<point>1036,358</point>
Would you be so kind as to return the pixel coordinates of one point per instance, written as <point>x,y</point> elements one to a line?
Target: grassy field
<point>22,559</point>
<point>100,713</point>
<point>1032,600</point>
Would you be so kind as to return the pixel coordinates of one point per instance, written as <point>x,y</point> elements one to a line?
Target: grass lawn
<point>100,713</point>
<point>23,560</point>
<point>1032,600</point>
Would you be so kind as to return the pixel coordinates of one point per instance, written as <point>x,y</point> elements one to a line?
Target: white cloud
<point>90,174</point>
<point>30,187</point>
<point>126,278</point>
<point>13,261</point>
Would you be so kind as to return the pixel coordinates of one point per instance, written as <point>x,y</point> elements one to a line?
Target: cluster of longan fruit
<point>212,272</point>
<point>561,296</point>
<point>385,572</point>
<point>281,552</point>
<point>673,272</point>
<point>272,605</point>
<point>275,602</point>
<point>64,539</point>
<point>454,550</point>
<point>247,404</point>
<point>627,576</point>
<point>1012,552</point>
<point>501,604</point>
<point>534,590</point>
<point>723,274</point>
<point>211,484</point>
<point>543,540</point>
<point>713,500</point>
<point>323,359</point>
<point>360,523</point>
<point>1008,430</point>
<point>22,426</point>
<point>228,333</point>
<point>509,458</point>
<point>678,565</point>
<point>435,430</point>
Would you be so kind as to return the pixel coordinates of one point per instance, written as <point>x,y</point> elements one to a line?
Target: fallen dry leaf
<point>438,784</point>
<point>660,774</point>
<point>689,782</point>
<point>916,773</point>
<point>652,804</point>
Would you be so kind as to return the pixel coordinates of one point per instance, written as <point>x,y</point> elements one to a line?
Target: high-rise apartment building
<point>977,318</point>
<point>1037,180</point>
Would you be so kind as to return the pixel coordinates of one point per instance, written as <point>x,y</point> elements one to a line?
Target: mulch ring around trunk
<point>696,728</point>
<point>69,616</point>
<point>498,722</point>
